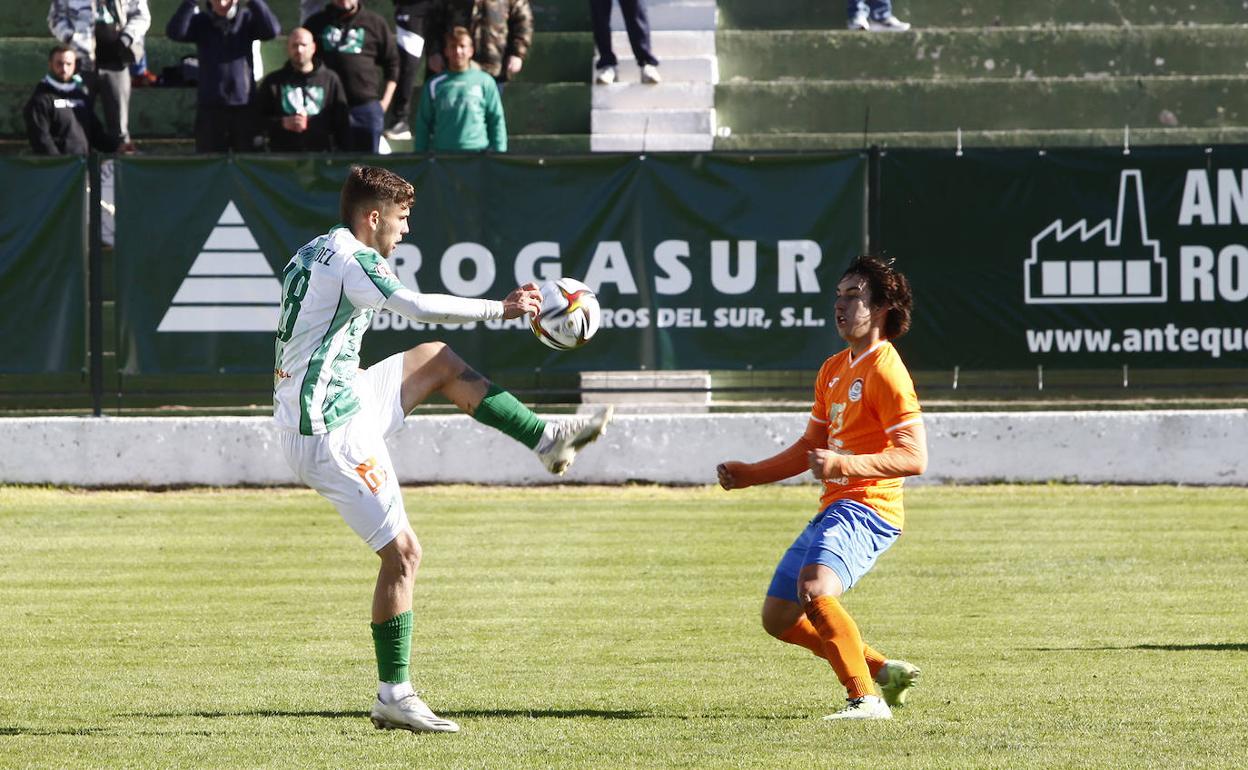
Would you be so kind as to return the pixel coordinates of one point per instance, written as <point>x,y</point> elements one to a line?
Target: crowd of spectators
<point>348,80</point>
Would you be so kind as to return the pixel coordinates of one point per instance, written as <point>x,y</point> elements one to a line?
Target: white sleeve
<point>442,308</point>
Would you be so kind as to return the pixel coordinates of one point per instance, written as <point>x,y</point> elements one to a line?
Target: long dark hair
<point>888,287</point>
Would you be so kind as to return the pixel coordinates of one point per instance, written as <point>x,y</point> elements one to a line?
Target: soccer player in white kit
<point>335,416</point>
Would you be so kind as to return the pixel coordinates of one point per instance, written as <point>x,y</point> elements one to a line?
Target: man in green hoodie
<point>460,109</point>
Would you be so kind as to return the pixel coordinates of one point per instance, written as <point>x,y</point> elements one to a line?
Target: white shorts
<point>350,466</point>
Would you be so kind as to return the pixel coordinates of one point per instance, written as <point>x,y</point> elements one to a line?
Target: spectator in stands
<point>308,8</point>
<point>223,32</point>
<point>108,37</point>
<point>501,30</point>
<point>874,16</point>
<point>460,109</point>
<point>409,20</point>
<point>59,117</point>
<point>303,105</point>
<point>637,22</point>
<point>359,45</point>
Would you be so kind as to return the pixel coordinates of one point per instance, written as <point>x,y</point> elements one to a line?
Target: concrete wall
<point>1189,447</point>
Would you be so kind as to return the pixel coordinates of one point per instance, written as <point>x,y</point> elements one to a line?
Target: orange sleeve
<point>788,463</point>
<point>906,457</point>
<point>893,398</point>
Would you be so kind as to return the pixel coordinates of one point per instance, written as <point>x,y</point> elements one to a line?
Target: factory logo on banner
<point>1113,261</point>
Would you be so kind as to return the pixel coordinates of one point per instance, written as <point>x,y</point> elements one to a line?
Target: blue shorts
<point>847,537</point>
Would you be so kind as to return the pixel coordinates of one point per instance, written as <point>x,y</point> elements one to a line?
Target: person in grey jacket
<point>108,37</point>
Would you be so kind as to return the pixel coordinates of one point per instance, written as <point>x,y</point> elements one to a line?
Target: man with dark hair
<point>460,110</point>
<point>864,436</point>
<point>359,45</point>
<point>108,37</point>
<point>223,35</point>
<point>303,105</point>
<point>59,118</point>
<point>335,417</point>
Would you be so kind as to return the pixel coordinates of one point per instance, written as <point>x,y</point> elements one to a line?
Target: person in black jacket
<point>303,105</point>
<point>59,115</point>
<point>223,31</point>
<point>359,45</point>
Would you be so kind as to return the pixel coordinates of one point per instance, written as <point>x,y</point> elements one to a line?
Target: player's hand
<point>514,65</point>
<point>526,299</point>
<point>435,62</point>
<point>295,123</point>
<point>825,464</point>
<point>729,473</point>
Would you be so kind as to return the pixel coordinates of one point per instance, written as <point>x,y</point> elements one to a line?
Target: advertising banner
<point>43,265</point>
<point>699,261</point>
<point>1082,258</point>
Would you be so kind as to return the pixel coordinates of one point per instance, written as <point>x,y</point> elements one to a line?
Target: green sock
<point>503,411</point>
<point>393,642</point>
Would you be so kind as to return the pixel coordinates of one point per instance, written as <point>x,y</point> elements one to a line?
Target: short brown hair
<point>61,49</point>
<point>368,187</point>
<point>888,287</point>
<point>455,33</point>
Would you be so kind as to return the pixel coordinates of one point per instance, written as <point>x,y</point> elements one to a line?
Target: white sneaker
<point>569,437</point>
<point>606,76</point>
<point>409,713</point>
<point>889,23</point>
<point>650,74</point>
<point>400,132</point>
<point>859,22</point>
<point>895,680</point>
<point>866,707</point>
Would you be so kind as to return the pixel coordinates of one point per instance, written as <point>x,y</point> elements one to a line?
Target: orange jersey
<point>863,402</point>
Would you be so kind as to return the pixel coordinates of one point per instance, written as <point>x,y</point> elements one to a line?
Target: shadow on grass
<point>352,714</point>
<point>1220,647</point>
<point>548,713</point>
<point>4,730</point>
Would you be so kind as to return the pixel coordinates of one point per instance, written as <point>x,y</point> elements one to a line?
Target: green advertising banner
<point>699,261</point>
<point>43,264</point>
<point>1072,258</point>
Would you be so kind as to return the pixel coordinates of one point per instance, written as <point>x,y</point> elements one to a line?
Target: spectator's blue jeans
<point>364,123</point>
<point>878,9</point>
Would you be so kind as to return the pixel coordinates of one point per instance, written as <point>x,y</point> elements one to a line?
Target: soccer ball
<point>569,315</point>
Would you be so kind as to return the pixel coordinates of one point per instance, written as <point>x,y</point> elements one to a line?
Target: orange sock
<point>875,660</point>
<point>803,634</point>
<point>842,643</point>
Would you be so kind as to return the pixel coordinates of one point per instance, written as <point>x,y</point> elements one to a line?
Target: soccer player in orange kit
<point>864,435</point>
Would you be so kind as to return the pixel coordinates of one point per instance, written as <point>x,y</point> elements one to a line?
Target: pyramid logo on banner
<point>230,287</point>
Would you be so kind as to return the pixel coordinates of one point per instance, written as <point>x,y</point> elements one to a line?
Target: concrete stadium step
<point>651,122</point>
<point>925,105</point>
<point>986,53</point>
<point>1050,138</point>
<point>672,14</point>
<point>651,142</point>
<point>668,44</point>
<point>820,14</point>
<point>661,96</point>
<point>688,69</point>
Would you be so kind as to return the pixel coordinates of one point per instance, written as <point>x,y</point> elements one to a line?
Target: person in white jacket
<point>108,36</point>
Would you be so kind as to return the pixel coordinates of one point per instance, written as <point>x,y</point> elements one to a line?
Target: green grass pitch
<point>1057,626</point>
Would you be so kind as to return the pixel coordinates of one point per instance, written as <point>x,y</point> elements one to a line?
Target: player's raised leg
<point>397,705</point>
<point>434,368</point>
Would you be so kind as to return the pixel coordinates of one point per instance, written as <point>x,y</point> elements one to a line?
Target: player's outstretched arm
<point>525,299</point>
<point>788,463</point>
<point>906,457</point>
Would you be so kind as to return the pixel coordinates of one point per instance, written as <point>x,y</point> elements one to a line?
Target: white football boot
<point>866,707</point>
<point>409,713</point>
<point>568,437</point>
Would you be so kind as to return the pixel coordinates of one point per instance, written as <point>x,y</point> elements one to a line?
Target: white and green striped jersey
<point>330,289</point>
